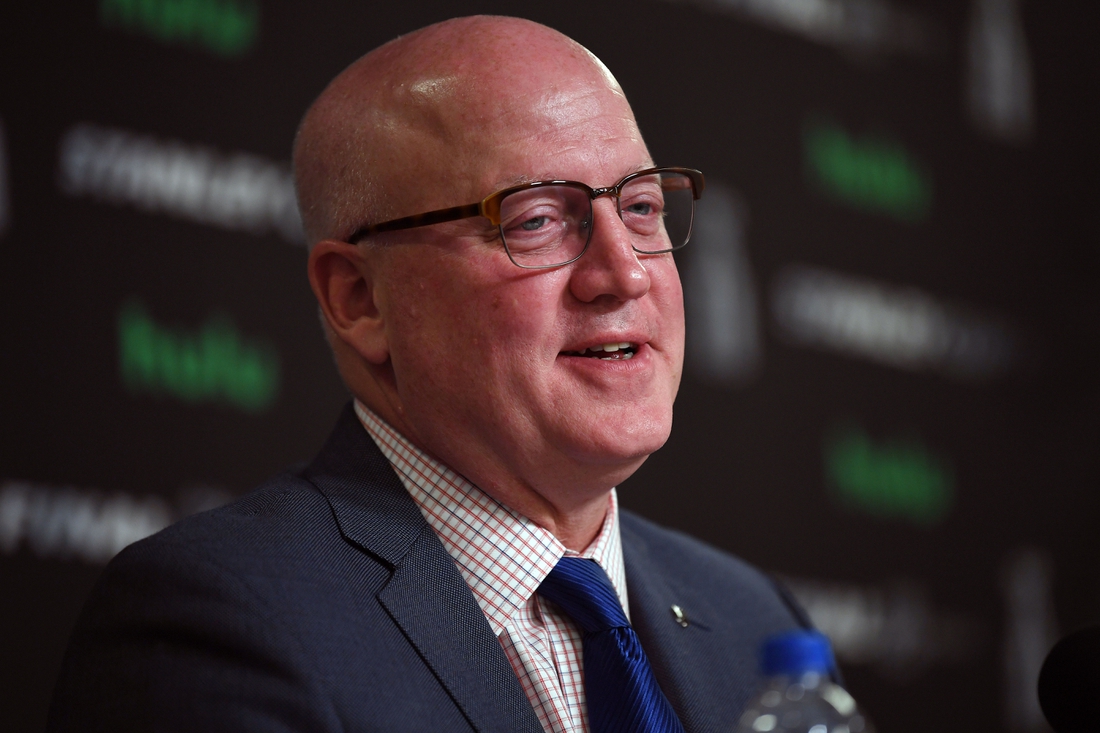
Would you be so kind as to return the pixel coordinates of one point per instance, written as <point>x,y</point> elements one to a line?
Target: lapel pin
<point>678,614</point>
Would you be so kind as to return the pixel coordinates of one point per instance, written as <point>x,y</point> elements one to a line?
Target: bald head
<point>488,366</point>
<point>397,132</point>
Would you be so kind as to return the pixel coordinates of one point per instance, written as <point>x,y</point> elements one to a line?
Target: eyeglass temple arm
<point>418,220</point>
<point>698,182</point>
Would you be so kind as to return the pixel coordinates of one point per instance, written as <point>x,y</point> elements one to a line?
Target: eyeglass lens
<point>550,225</point>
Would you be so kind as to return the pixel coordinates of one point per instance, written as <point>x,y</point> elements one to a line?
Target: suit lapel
<point>692,664</point>
<point>426,595</point>
<point>451,633</point>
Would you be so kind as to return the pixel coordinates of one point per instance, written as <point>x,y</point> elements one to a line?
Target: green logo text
<point>224,27</point>
<point>891,479</point>
<point>212,364</point>
<point>873,174</point>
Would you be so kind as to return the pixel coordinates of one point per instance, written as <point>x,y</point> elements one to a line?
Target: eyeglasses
<point>549,223</point>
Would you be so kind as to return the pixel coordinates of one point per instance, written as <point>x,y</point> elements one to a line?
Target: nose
<point>610,267</point>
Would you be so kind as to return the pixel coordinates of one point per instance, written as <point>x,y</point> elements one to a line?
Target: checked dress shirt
<point>504,557</point>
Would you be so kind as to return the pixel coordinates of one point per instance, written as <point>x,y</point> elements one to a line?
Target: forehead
<point>480,105</point>
<point>573,130</point>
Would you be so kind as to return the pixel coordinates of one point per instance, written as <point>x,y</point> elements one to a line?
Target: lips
<point>615,351</point>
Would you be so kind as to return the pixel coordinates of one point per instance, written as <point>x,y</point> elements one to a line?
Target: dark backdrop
<point>891,301</point>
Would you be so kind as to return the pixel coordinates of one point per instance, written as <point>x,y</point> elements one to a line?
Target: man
<point>511,362</point>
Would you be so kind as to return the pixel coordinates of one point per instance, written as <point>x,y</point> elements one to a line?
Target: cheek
<point>515,307</point>
<point>468,318</point>
<point>669,295</point>
<point>516,331</point>
<point>418,325</point>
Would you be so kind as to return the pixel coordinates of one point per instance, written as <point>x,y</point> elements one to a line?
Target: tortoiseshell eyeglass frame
<point>489,207</point>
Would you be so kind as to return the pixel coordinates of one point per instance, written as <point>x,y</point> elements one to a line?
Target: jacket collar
<point>707,669</point>
<point>426,595</point>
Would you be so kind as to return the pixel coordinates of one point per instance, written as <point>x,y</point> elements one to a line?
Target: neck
<point>575,528</point>
<point>575,521</point>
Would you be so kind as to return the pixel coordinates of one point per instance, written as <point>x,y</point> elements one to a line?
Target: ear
<point>343,281</point>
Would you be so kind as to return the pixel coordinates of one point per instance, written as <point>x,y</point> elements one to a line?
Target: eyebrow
<point>523,179</point>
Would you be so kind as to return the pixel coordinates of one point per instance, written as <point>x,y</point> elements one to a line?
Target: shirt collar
<point>502,555</point>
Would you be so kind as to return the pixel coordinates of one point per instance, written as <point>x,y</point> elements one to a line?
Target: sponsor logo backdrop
<point>891,299</point>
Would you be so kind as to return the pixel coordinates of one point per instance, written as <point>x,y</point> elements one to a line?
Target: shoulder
<point>277,543</point>
<point>254,565</point>
<point>246,540</point>
<point>265,614</point>
<point>283,508</point>
<point>174,613</point>
<point>202,625</point>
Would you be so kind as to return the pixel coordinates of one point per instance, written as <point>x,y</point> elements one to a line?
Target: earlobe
<point>343,282</point>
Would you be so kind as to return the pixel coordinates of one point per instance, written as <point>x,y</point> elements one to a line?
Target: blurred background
<point>891,300</point>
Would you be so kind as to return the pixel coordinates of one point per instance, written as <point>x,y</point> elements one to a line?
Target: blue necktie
<point>623,696</point>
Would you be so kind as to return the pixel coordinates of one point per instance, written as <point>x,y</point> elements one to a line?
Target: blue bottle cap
<point>795,653</point>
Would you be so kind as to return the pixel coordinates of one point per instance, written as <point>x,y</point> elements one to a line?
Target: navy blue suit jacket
<point>324,602</point>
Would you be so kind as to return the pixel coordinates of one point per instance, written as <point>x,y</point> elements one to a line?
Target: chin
<point>616,449</point>
<point>615,476</point>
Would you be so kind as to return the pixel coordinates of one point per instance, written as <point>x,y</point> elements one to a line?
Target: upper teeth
<point>617,350</point>
<point>610,347</point>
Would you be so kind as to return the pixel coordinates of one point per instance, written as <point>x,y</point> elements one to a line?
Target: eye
<point>534,220</point>
<point>643,212</point>
<point>642,199</point>
<point>539,225</point>
<point>534,223</point>
<point>639,208</point>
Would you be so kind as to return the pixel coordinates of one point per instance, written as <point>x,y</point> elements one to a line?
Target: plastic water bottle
<point>800,697</point>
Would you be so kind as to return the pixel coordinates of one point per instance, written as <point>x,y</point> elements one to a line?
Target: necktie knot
<point>583,590</point>
<point>623,695</point>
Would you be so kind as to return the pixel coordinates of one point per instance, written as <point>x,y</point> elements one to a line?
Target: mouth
<point>619,351</point>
